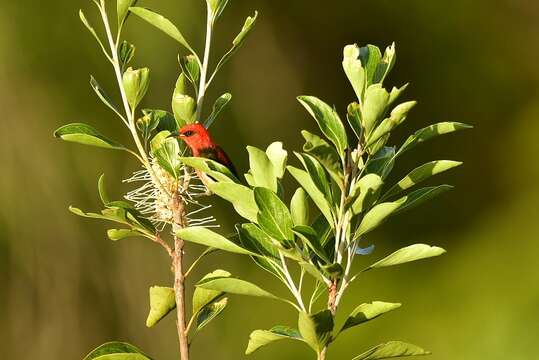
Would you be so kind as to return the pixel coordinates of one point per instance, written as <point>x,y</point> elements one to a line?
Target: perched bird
<point>198,139</point>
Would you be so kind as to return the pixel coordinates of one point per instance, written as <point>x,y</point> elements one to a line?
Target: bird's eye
<point>188,133</point>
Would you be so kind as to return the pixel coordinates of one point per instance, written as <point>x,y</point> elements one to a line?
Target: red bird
<point>201,144</point>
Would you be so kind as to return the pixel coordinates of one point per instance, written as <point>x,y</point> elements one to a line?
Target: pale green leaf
<point>367,190</point>
<point>214,169</point>
<point>168,157</point>
<point>303,178</point>
<point>235,286</point>
<point>273,216</point>
<point>377,215</point>
<point>278,157</point>
<point>397,117</point>
<point>241,197</point>
<point>102,191</point>
<point>430,132</point>
<point>86,135</point>
<point>183,105</point>
<point>325,153</point>
<point>261,168</point>
<point>354,69</point>
<point>120,234</point>
<point>316,329</point>
<point>408,254</point>
<point>299,207</point>
<point>386,64</point>
<point>210,312</point>
<point>218,107</point>
<point>374,108</point>
<point>103,96</point>
<point>368,311</point>
<point>122,9</point>
<point>260,338</point>
<point>421,174</point>
<point>328,120</point>
<point>203,297</point>
<point>207,237</point>
<point>136,83</point>
<point>370,56</point>
<point>418,197</point>
<point>392,349</point>
<point>116,351</point>
<point>162,24</point>
<point>162,301</point>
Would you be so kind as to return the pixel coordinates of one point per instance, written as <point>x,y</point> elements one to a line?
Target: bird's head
<point>195,136</point>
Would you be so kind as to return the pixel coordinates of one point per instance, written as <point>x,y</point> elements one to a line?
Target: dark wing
<point>217,154</point>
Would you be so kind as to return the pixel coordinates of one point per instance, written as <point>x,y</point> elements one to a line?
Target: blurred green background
<point>66,289</point>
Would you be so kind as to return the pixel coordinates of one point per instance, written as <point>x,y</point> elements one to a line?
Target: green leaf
<point>241,197</point>
<point>259,338</point>
<point>162,24</point>
<point>122,9</point>
<point>262,169</point>
<point>273,216</point>
<point>162,301</point>
<point>368,311</point>
<point>392,349</point>
<point>183,105</point>
<point>317,173</point>
<point>191,69</point>
<point>120,234</point>
<point>103,96</point>
<point>126,53</point>
<point>377,215</point>
<point>299,207</point>
<point>235,286</point>
<point>430,132</point>
<point>386,64</point>
<point>257,241</point>
<point>102,191</point>
<point>116,351</point>
<point>136,83</point>
<point>379,136</point>
<point>303,178</point>
<point>203,297</point>
<point>420,196</point>
<point>238,41</point>
<point>374,108</point>
<point>164,119</point>
<point>316,329</point>
<point>354,69</point>
<point>214,169</point>
<point>159,140</point>
<point>92,31</point>
<point>328,120</point>
<point>207,237</point>
<point>86,135</point>
<point>325,154</point>
<point>353,115</point>
<point>395,93</point>
<point>210,312</point>
<point>409,254</point>
<point>367,190</point>
<point>421,174</point>
<point>218,107</point>
<point>217,7</point>
<point>382,162</point>
<point>278,157</point>
<point>168,157</point>
<point>312,240</point>
<point>115,215</point>
<point>370,58</point>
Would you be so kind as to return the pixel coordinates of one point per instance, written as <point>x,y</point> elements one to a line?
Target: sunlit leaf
<point>210,312</point>
<point>218,107</point>
<point>102,191</point>
<point>168,157</point>
<point>162,301</point>
<point>136,83</point>
<point>317,173</point>
<point>261,169</point>
<point>409,254</point>
<point>309,236</point>
<point>379,136</point>
<point>370,57</point>
<point>377,215</point>
<point>120,234</point>
<point>325,153</point>
<point>354,69</point>
<point>421,174</point>
<point>183,105</point>
<point>241,197</point>
<point>328,120</point>
<point>92,31</point>
<point>430,132</point>
<point>353,115</point>
<point>85,134</point>
<point>316,329</point>
<point>391,349</point>
<point>235,286</point>
<point>162,24</point>
<point>122,9</point>
<point>374,108</point>
<point>191,68</point>
<point>103,96</point>
<point>214,169</point>
<point>303,178</point>
<point>116,351</point>
<point>386,64</point>
<point>207,237</point>
<point>367,190</point>
<point>273,216</point>
<point>203,297</point>
<point>418,197</point>
<point>368,311</point>
<point>260,338</point>
<point>299,207</point>
<point>278,157</point>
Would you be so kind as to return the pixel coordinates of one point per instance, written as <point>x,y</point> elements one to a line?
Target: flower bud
<point>136,83</point>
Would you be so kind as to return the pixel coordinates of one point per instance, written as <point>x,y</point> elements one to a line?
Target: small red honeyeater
<point>198,139</point>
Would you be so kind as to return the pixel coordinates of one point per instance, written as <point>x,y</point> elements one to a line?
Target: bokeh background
<point>66,289</point>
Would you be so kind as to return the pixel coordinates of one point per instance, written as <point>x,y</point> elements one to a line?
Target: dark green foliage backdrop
<point>65,288</point>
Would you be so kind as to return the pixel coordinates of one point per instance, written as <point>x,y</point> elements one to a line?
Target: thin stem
<point>204,70</point>
<point>290,283</point>
<point>129,113</point>
<point>179,290</point>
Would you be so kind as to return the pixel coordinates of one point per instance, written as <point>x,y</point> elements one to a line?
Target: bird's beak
<point>175,134</point>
